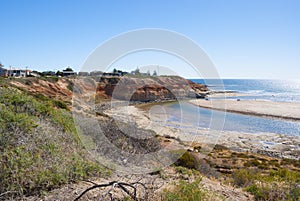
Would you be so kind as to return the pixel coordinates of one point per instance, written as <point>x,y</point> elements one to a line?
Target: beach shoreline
<point>262,108</point>
<point>270,144</point>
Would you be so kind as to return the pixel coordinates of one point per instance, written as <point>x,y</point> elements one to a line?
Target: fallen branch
<point>115,184</point>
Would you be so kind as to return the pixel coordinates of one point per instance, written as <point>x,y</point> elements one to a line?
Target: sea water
<point>187,113</point>
<point>272,90</point>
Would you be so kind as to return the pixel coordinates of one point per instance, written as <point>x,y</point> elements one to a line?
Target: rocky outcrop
<point>146,89</point>
<point>143,89</point>
<point>60,89</point>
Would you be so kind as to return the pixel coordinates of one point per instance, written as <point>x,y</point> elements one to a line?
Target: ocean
<point>272,90</point>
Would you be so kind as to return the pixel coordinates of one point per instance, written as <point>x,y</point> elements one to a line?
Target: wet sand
<point>283,110</point>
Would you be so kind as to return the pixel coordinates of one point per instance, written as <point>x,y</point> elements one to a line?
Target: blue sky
<point>245,39</point>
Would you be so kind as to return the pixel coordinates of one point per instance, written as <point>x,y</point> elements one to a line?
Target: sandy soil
<point>155,184</point>
<point>282,110</point>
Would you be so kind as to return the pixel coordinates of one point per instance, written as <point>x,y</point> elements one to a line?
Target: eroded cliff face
<point>142,89</point>
<point>149,88</point>
<point>49,87</point>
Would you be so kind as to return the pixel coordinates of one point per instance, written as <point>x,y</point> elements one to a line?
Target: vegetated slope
<point>39,146</point>
<point>265,177</point>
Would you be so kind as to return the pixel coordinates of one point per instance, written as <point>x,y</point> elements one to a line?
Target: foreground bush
<point>282,184</point>
<point>185,191</point>
<point>39,146</point>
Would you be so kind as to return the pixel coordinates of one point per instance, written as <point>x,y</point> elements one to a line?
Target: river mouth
<point>184,113</point>
<point>190,124</point>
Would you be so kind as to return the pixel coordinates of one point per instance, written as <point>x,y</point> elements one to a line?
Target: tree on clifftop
<point>137,71</point>
<point>154,73</point>
<point>69,69</point>
<point>59,73</point>
<point>1,65</point>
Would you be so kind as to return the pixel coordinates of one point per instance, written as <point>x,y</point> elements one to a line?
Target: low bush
<point>60,104</point>
<point>187,160</point>
<point>219,147</point>
<point>186,191</point>
<point>70,85</point>
<point>244,177</point>
<point>282,184</point>
<point>39,146</point>
<point>186,171</point>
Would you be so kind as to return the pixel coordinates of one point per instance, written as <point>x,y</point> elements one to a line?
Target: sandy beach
<point>284,110</point>
<point>227,94</point>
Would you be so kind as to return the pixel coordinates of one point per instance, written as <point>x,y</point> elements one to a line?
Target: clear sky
<point>244,38</point>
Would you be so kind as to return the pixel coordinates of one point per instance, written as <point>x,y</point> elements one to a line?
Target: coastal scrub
<point>39,146</point>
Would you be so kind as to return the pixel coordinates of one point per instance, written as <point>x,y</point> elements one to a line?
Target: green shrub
<point>284,174</point>
<point>287,161</point>
<point>282,184</point>
<point>60,104</point>
<point>254,190</point>
<point>40,97</point>
<point>185,191</point>
<point>219,147</point>
<point>244,177</point>
<point>187,160</point>
<point>272,191</point>
<point>186,171</point>
<point>70,85</point>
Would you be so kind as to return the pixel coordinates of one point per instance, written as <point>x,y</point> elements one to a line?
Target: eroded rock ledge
<point>147,89</point>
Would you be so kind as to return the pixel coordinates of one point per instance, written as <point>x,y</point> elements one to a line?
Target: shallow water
<point>200,117</point>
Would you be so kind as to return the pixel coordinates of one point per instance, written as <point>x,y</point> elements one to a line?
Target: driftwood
<point>116,184</point>
<point>136,187</point>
